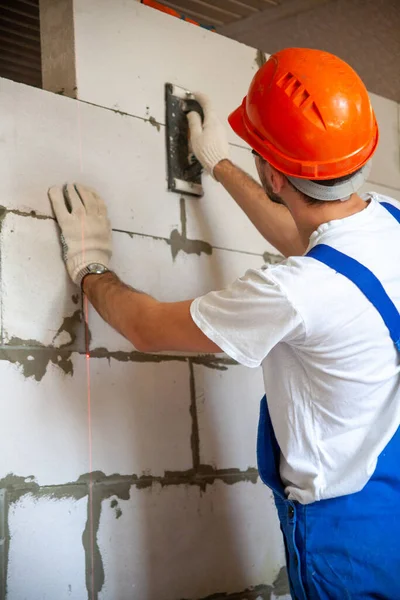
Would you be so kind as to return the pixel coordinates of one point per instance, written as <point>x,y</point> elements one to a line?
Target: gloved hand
<point>85,228</point>
<point>208,139</point>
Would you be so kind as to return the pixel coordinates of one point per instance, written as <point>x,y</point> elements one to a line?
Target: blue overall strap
<point>395,212</point>
<point>366,281</point>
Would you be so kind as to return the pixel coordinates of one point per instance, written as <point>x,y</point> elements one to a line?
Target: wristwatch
<point>92,269</point>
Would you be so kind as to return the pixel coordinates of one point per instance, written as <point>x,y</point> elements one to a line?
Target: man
<point>324,324</point>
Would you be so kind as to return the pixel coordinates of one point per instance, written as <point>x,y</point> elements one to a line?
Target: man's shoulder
<point>296,274</point>
<point>381,198</point>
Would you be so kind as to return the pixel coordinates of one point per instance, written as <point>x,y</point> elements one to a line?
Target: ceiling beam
<point>289,8</point>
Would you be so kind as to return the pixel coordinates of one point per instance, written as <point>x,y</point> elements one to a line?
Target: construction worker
<point>324,323</point>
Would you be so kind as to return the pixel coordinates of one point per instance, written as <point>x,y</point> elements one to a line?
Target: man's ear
<point>278,180</point>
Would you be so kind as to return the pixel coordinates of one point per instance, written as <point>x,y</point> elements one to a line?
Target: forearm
<point>273,221</point>
<point>150,325</point>
<point>127,310</point>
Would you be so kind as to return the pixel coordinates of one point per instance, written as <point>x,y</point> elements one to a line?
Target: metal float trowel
<point>183,169</point>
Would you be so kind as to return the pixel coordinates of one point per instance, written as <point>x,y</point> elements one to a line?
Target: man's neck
<point>309,217</point>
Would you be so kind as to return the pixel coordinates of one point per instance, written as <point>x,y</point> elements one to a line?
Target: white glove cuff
<point>78,263</point>
<point>213,156</point>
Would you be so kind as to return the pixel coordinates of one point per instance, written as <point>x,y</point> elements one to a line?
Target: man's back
<point>333,387</point>
<point>330,366</point>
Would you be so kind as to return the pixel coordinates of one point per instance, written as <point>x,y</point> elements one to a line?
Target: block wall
<point>122,475</point>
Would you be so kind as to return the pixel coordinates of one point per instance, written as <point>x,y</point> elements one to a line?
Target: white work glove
<point>85,228</point>
<point>208,139</point>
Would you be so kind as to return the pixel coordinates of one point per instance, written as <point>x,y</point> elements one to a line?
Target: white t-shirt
<point>331,370</point>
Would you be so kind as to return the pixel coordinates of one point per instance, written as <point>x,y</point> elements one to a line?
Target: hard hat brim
<point>236,121</point>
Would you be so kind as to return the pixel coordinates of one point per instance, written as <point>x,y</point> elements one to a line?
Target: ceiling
<point>365,33</point>
<point>220,12</point>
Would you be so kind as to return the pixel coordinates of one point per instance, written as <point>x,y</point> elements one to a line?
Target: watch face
<point>96,268</point>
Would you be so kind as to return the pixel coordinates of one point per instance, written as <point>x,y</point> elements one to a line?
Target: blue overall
<point>346,547</point>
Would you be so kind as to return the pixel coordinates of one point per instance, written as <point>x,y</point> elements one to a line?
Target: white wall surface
<point>46,555</point>
<point>137,50</point>
<point>143,410</point>
<point>129,477</point>
<point>221,523</point>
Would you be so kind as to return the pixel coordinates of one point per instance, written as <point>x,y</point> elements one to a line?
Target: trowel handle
<point>191,105</point>
<point>194,170</point>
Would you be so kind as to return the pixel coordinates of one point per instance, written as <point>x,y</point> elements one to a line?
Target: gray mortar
<point>251,593</point>
<point>147,119</point>
<point>33,357</point>
<point>280,587</point>
<point>70,325</point>
<point>23,213</point>
<point>119,112</point>
<point>134,356</point>
<point>17,487</point>
<point>133,234</point>
<point>155,123</point>
<point>194,436</point>
<point>21,352</point>
<point>179,241</point>
<point>211,361</point>
<point>177,238</point>
<point>207,360</point>
<point>94,568</point>
<point>207,475</point>
<point>116,111</point>
<point>204,475</point>
<point>118,511</point>
<point>281,583</point>
<point>100,488</point>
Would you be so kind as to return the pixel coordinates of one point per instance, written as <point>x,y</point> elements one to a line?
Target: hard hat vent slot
<point>292,86</point>
<point>301,98</point>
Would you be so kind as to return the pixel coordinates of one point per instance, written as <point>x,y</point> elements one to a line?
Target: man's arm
<point>150,325</point>
<point>273,221</point>
<point>210,145</point>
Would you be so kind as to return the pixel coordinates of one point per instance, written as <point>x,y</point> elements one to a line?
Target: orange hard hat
<point>309,115</point>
